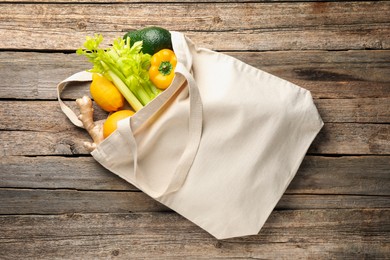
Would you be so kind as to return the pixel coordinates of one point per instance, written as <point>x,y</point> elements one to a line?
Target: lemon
<point>110,125</point>
<point>105,94</point>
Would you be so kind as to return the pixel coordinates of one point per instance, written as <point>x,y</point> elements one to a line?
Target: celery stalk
<point>127,67</point>
<point>139,93</point>
<point>125,91</point>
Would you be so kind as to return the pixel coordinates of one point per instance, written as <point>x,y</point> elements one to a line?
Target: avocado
<point>153,39</point>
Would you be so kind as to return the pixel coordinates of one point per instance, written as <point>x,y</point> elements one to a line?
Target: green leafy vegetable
<point>127,67</point>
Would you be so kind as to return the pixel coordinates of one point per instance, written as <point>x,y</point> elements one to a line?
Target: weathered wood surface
<point>40,201</point>
<point>352,175</point>
<point>334,138</point>
<point>56,202</point>
<point>319,234</point>
<point>38,115</point>
<point>328,74</point>
<point>266,26</point>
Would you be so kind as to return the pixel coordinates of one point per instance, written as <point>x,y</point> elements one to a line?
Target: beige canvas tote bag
<point>219,146</point>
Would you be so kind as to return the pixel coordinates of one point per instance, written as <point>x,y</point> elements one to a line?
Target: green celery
<point>127,67</point>
<point>124,90</point>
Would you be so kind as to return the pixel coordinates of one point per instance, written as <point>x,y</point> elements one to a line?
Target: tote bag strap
<point>82,76</point>
<point>125,127</point>
<point>181,46</point>
<point>180,43</point>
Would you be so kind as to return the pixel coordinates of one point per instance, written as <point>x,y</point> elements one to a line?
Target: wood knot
<point>218,244</point>
<point>81,26</point>
<point>217,19</point>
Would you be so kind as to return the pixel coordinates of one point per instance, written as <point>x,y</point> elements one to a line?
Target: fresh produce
<point>135,68</point>
<point>105,94</point>
<point>162,68</point>
<point>98,130</point>
<point>127,67</point>
<point>110,125</point>
<point>94,129</point>
<point>153,39</point>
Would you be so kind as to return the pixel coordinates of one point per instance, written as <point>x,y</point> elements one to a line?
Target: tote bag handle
<point>180,44</point>
<point>82,76</point>
<point>126,129</point>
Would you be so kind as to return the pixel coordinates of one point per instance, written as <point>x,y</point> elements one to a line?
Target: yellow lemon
<point>110,125</point>
<point>105,94</point>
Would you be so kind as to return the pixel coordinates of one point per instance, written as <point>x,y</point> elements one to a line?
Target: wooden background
<point>56,202</point>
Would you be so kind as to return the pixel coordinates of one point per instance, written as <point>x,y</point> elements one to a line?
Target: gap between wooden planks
<point>349,175</point>
<point>30,115</point>
<point>261,26</point>
<point>334,138</point>
<point>323,234</point>
<point>320,233</point>
<point>55,185</point>
<point>327,74</point>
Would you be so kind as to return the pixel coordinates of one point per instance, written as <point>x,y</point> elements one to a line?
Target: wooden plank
<point>299,202</point>
<point>338,138</point>
<point>353,37</point>
<point>348,175</point>
<point>319,234</point>
<point>40,115</point>
<point>264,26</point>
<point>43,143</point>
<point>364,175</point>
<point>337,207</point>
<point>369,110</point>
<point>35,75</point>
<point>334,138</point>
<point>47,115</point>
<point>43,201</point>
<point>342,74</point>
<point>82,173</point>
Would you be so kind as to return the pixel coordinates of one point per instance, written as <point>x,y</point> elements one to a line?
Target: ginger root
<point>94,129</point>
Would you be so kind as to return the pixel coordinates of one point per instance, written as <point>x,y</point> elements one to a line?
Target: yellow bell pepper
<point>162,68</point>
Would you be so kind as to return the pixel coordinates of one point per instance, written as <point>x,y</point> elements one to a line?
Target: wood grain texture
<point>57,202</point>
<point>69,185</point>
<point>365,110</point>
<point>364,175</point>
<point>46,116</point>
<point>349,175</point>
<point>319,234</point>
<point>334,138</point>
<point>262,26</point>
<point>33,143</point>
<point>59,172</point>
<point>41,201</point>
<point>351,139</point>
<point>342,74</point>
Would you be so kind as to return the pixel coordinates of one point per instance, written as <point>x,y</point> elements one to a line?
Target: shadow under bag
<point>219,146</point>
